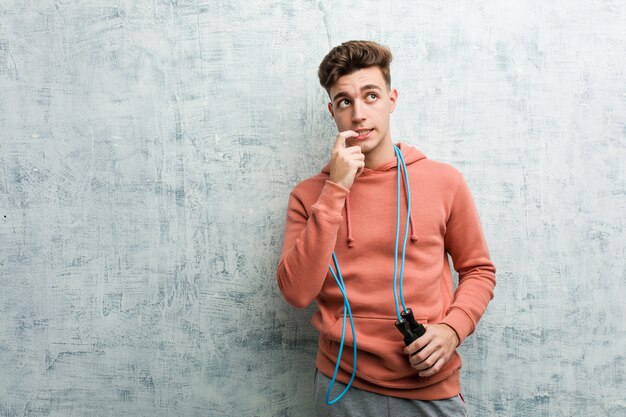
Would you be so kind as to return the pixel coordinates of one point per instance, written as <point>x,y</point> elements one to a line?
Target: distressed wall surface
<point>147,149</point>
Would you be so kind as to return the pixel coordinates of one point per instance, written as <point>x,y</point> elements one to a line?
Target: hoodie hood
<point>411,155</point>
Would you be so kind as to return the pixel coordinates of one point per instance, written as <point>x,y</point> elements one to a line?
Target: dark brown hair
<point>352,56</point>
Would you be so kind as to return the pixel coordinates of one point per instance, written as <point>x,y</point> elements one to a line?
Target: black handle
<point>409,327</point>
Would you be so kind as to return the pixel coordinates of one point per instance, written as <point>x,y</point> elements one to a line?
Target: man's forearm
<point>309,243</point>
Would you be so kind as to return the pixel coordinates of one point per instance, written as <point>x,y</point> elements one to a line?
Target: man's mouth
<point>363,133</point>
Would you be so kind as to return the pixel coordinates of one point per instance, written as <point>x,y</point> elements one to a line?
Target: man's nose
<point>358,112</point>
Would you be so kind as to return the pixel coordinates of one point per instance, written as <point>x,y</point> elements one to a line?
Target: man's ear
<point>330,109</point>
<point>393,97</point>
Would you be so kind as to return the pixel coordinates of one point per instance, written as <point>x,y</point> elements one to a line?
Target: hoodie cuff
<point>460,322</point>
<point>332,198</point>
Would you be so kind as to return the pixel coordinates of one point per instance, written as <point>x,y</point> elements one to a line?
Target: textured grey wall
<point>147,149</point>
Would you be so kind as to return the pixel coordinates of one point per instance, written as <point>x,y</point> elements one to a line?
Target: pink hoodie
<point>359,225</point>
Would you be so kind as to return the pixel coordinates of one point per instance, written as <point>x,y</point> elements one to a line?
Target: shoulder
<point>438,174</point>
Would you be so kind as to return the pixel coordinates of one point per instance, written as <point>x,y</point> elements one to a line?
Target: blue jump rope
<point>406,323</point>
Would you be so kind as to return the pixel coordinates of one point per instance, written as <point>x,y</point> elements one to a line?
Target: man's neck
<point>382,153</point>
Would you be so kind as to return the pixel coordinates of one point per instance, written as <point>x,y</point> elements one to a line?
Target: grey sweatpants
<point>361,403</point>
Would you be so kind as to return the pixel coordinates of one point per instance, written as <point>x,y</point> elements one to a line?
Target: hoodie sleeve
<point>465,242</point>
<point>309,244</point>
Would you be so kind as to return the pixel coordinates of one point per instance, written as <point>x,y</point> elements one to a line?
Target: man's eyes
<point>369,98</point>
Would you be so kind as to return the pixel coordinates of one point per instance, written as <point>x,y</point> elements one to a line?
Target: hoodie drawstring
<point>350,238</point>
<point>413,235</point>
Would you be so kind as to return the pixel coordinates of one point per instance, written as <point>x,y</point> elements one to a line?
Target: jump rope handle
<point>409,327</point>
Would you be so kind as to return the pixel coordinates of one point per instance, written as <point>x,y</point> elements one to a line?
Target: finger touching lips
<point>343,136</point>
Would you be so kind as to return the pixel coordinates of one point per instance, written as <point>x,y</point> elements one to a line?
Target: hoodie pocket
<point>380,344</point>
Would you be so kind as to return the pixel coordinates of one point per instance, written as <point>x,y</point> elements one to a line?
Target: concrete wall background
<point>147,149</point>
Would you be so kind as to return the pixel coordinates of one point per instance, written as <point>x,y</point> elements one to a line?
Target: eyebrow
<point>341,94</point>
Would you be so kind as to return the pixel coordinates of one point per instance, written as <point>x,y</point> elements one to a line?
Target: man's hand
<point>430,352</point>
<point>346,163</point>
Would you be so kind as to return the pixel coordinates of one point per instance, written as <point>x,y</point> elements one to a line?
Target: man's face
<point>360,101</point>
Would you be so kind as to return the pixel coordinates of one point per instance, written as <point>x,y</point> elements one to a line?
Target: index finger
<point>340,142</point>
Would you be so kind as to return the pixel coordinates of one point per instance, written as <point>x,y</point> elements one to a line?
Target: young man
<point>350,210</point>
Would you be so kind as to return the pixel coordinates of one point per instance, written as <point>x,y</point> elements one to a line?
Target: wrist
<point>332,198</point>
<point>455,336</point>
<point>339,183</point>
